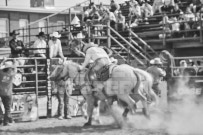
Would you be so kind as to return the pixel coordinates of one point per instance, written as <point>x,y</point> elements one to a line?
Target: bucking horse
<point>124,83</point>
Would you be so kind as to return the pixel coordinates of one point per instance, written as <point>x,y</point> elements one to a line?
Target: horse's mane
<point>72,63</point>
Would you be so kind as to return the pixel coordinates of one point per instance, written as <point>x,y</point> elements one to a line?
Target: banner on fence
<point>24,107</point>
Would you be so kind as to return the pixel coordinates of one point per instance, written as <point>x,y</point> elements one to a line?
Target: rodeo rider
<point>157,73</point>
<point>7,72</point>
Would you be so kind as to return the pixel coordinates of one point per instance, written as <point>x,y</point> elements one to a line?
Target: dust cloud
<point>183,117</point>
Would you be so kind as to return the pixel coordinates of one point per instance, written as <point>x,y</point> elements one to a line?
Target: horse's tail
<point>148,83</point>
<point>138,82</point>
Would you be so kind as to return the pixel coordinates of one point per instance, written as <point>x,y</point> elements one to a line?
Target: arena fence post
<point>49,88</point>
<point>36,84</point>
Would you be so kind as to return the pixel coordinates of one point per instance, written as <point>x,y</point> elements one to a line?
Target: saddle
<point>102,75</point>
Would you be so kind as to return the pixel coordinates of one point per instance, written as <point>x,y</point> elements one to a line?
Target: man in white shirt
<point>40,43</point>
<point>55,48</point>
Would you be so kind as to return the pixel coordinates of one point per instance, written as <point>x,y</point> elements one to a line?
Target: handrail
<point>135,43</point>
<point>127,51</point>
<point>144,43</point>
<point>129,44</point>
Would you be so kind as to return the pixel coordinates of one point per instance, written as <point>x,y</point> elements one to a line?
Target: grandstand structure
<point>135,46</point>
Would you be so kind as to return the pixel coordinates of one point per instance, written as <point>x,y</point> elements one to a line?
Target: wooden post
<point>89,34</point>
<point>108,35</point>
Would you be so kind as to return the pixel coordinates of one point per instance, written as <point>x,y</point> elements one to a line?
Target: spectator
<point>8,71</point>
<point>120,21</point>
<point>134,23</point>
<point>135,11</point>
<point>40,43</point>
<point>147,10</point>
<point>200,68</point>
<point>195,5</point>
<point>175,28</point>
<point>157,74</point>
<point>166,8</point>
<point>55,48</point>
<point>101,9</point>
<point>16,45</point>
<point>176,10</point>
<point>156,5</point>
<point>110,17</point>
<point>114,7</point>
<point>179,71</point>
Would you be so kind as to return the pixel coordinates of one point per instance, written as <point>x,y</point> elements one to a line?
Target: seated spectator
<point>200,68</point>
<point>147,10</point>
<point>190,70</point>
<point>156,5</point>
<point>120,21</point>
<point>135,11</point>
<point>87,17</point>
<point>189,15</point>
<point>179,71</point>
<point>175,28</point>
<point>166,8</point>
<point>176,10</point>
<point>114,7</point>
<point>134,23</point>
<point>132,3</point>
<point>195,5</point>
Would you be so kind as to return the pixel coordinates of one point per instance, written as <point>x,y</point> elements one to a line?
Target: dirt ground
<point>74,126</point>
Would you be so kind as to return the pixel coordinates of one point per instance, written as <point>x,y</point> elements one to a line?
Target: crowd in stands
<point>179,18</point>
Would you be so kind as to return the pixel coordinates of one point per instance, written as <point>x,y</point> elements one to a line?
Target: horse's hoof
<point>87,124</point>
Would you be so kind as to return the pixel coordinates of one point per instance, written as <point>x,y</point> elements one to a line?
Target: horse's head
<point>57,73</point>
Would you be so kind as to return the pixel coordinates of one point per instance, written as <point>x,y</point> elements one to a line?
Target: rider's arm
<point>60,50</point>
<point>87,59</point>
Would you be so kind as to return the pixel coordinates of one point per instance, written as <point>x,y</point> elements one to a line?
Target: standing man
<point>157,74</point>
<point>16,45</point>
<point>40,43</point>
<point>55,48</point>
<point>7,72</point>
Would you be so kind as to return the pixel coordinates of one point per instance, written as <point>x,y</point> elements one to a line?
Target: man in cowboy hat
<point>157,73</point>
<point>55,48</point>
<point>97,54</point>
<point>8,71</point>
<point>16,45</point>
<point>40,43</point>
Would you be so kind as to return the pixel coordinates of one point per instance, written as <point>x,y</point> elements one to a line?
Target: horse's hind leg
<point>130,102</point>
<point>145,109</point>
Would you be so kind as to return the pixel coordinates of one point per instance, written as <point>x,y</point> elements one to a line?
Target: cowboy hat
<point>91,44</point>
<point>55,34</point>
<point>7,64</point>
<point>14,32</point>
<point>156,61</point>
<point>41,34</point>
